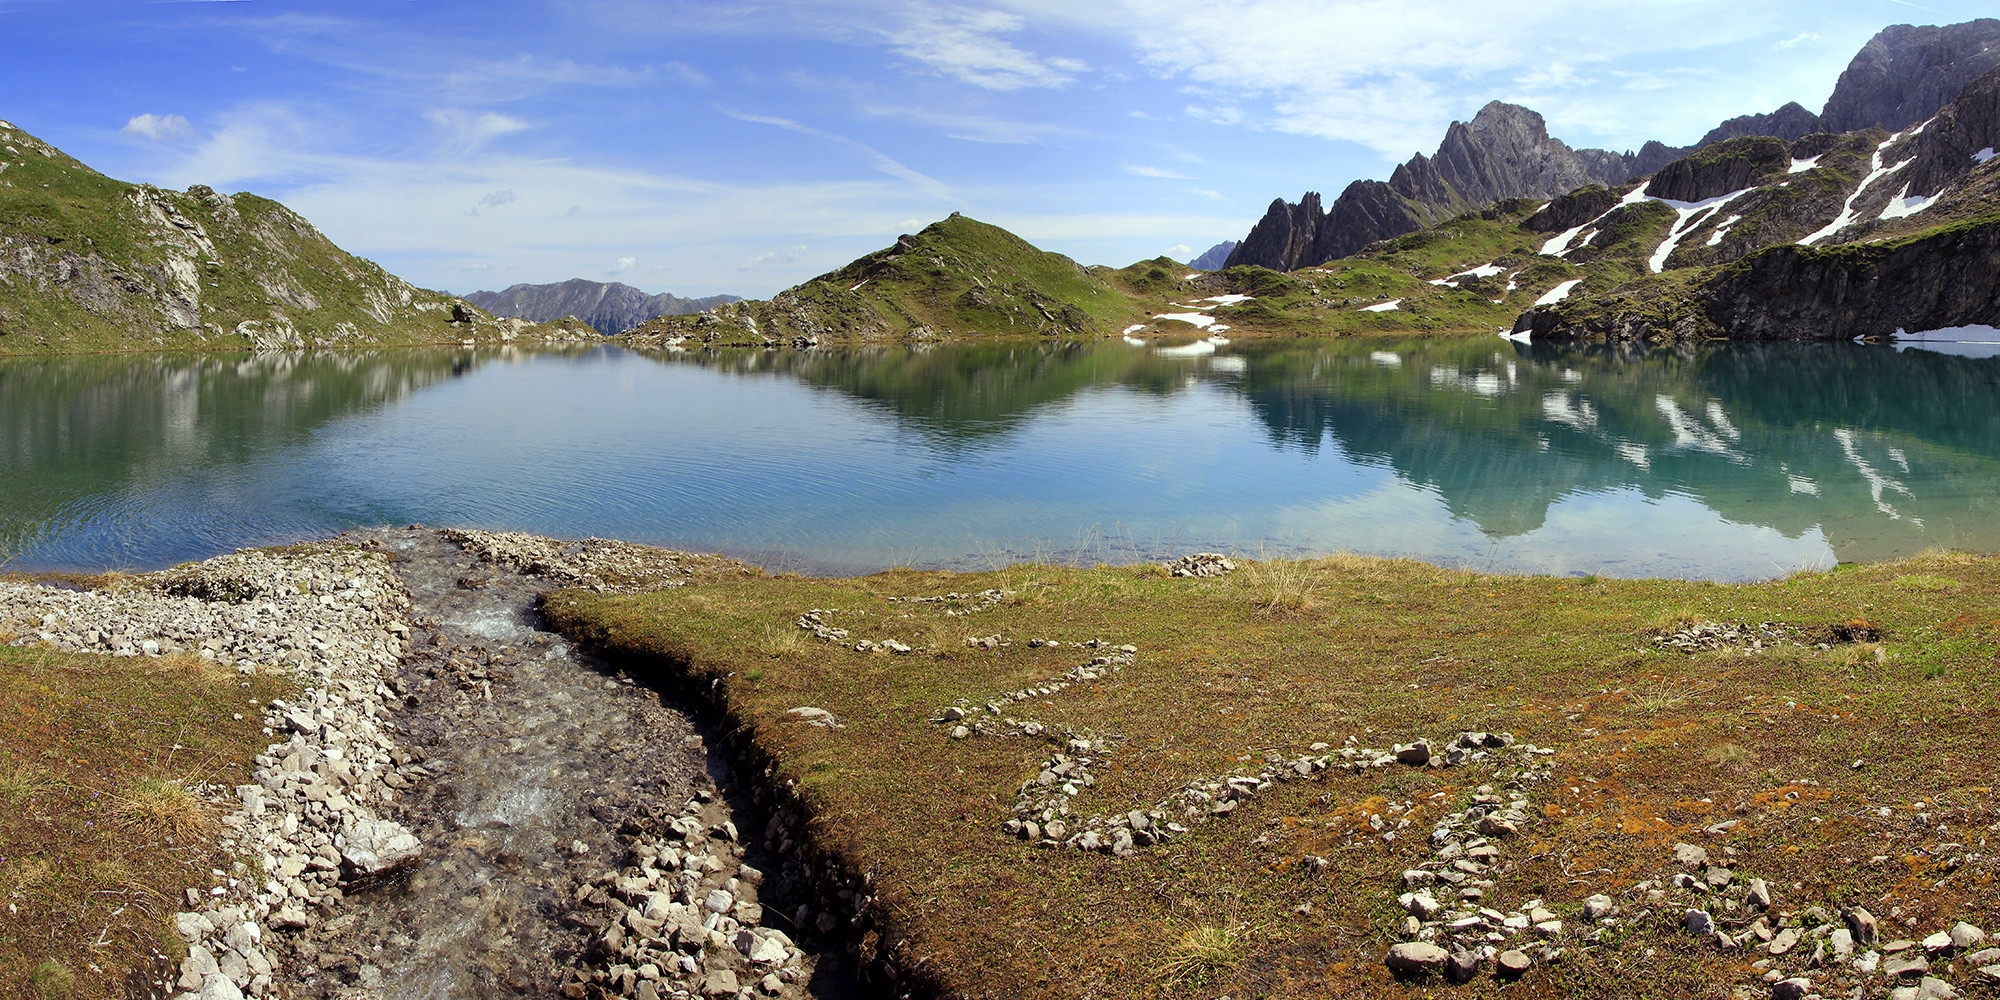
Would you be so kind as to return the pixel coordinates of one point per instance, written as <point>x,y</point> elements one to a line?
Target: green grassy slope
<point>89,263</point>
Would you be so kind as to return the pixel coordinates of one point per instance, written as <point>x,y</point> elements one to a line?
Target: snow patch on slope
<point>1558,293</point>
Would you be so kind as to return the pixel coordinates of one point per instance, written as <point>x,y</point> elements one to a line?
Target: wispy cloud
<point>1137,170</point>
<point>465,132</point>
<point>929,185</point>
<point>964,44</point>
<point>494,200</point>
<point>770,258</point>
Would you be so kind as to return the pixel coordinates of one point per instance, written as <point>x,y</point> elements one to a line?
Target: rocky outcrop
<point>1719,169</point>
<point>1572,210</point>
<point>609,307</point>
<point>1505,151</point>
<point>1285,238</point>
<point>1906,73</point>
<point>1948,279</point>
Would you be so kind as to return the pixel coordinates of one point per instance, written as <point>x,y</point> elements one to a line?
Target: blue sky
<point>745,146</point>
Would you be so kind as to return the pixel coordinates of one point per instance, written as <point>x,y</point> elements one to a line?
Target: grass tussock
<point>1653,744</point>
<point>1203,953</point>
<point>167,808</point>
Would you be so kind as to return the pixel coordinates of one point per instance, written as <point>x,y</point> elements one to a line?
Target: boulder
<point>374,846</point>
<point>1416,958</point>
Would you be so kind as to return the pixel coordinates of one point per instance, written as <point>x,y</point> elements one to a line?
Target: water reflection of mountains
<point>1880,449</point>
<point>75,424</point>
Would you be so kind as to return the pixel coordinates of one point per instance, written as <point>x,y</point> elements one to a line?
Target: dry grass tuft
<point>1203,952</point>
<point>191,667</point>
<point>1658,700</point>
<point>782,640</point>
<point>1926,583</point>
<point>1286,584</point>
<point>1727,755</point>
<point>167,807</point>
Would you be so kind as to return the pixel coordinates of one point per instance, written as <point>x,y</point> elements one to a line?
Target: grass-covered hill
<point>89,263</point>
<point>957,278</point>
<point>964,279</point>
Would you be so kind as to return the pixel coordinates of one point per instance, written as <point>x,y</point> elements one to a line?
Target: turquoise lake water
<point>1720,461</point>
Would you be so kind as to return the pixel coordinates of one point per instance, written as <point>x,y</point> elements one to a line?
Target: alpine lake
<point>1723,461</point>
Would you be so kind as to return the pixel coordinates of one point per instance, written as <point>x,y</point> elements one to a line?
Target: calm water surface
<point>1723,462</point>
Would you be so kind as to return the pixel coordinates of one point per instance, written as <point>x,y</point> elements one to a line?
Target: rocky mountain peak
<point>1907,72</point>
<point>1505,151</point>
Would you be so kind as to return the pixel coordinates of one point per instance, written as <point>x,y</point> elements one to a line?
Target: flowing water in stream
<point>539,756</point>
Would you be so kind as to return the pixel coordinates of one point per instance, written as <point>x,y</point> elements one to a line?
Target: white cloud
<point>1378,73</point>
<point>159,128</point>
<point>466,132</point>
<point>624,264</point>
<point>1145,171</point>
<point>964,45</point>
<point>1804,36</point>
<point>1206,193</point>
<point>1179,251</point>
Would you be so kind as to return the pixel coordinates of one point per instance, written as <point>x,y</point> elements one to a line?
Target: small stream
<point>539,755</point>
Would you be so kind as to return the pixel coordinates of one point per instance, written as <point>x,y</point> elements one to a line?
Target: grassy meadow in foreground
<point>1843,750</point>
<point>101,826</point>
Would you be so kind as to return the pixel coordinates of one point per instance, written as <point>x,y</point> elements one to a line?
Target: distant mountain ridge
<point>610,307</point>
<point>1904,75</point>
<point>1215,257</point>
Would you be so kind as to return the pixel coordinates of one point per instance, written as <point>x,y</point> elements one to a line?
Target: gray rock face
<point>1215,257</point>
<point>1572,209</point>
<point>1906,73</point>
<point>1789,122</point>
<point>609,307</point>
<point>1793,293</point>
<point>1960,130</point>
<point>1285,238</point>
